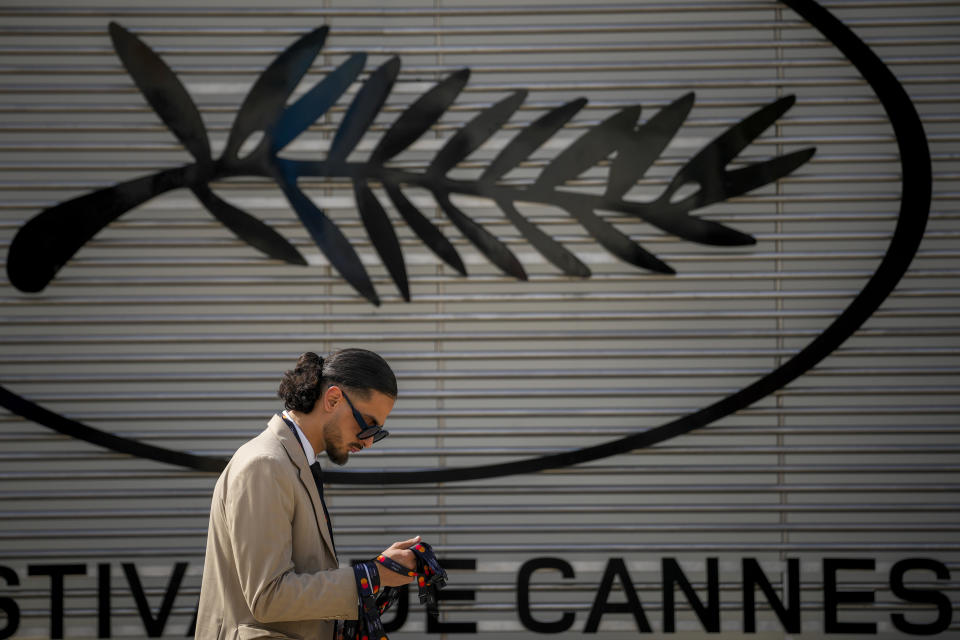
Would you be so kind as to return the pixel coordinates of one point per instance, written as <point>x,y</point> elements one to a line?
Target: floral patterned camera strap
<point>374,600</point>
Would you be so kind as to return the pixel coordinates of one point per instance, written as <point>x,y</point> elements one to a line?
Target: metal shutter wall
<point>166,328</point>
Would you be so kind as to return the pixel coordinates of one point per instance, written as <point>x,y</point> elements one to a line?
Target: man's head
<point>335,399</point>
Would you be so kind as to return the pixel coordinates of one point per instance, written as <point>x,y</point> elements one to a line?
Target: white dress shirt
<point>307,447</point>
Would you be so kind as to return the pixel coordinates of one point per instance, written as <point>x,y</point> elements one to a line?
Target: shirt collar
<point>307,447</point>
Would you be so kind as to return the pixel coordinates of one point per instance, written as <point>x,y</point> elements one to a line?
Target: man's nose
<point>366,442</point>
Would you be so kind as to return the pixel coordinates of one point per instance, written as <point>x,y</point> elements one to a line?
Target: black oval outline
<point>915,201</point>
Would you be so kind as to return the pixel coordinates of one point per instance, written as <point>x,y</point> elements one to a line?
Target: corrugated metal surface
<point>167,329</point>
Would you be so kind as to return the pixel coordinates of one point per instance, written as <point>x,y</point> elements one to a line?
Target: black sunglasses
<point>376,431</point>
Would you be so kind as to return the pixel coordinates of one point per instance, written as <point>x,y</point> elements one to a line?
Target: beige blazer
<point>270,570</point>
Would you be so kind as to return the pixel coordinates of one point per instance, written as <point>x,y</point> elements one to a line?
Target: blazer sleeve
<point>258,510</point>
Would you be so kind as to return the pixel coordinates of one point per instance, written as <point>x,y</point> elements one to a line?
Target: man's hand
<point>400,552</point>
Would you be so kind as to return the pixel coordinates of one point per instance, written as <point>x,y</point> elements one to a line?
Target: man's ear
<point>330,398</point>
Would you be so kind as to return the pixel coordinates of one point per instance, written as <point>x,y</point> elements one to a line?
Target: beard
<point>336,451</point>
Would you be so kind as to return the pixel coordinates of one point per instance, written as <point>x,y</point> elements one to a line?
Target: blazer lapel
<point>295,452</point>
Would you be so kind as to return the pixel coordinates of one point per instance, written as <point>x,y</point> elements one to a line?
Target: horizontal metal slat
<point>634,470</point>
<point>524,431</point>
<point>593,336</point>
<point>511,393</point>
<point>514,373</point>
<point>269,299</point>
<point>376,29</point>
<point>862,548</point>
<point>475,10</point>
<point>708,64</point>
<point>482,509</point>
<point>472,316</point>
<point>658,451</point>
<point>520,529</point>
<point>466,489</point>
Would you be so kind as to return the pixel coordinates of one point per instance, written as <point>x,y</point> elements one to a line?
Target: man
<point>271,569</point>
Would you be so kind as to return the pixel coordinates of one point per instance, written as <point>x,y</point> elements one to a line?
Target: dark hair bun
<point>300,388</point>
<point>310,360</point>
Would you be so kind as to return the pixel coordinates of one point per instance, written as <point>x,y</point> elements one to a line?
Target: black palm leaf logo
<point>267,123</point>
